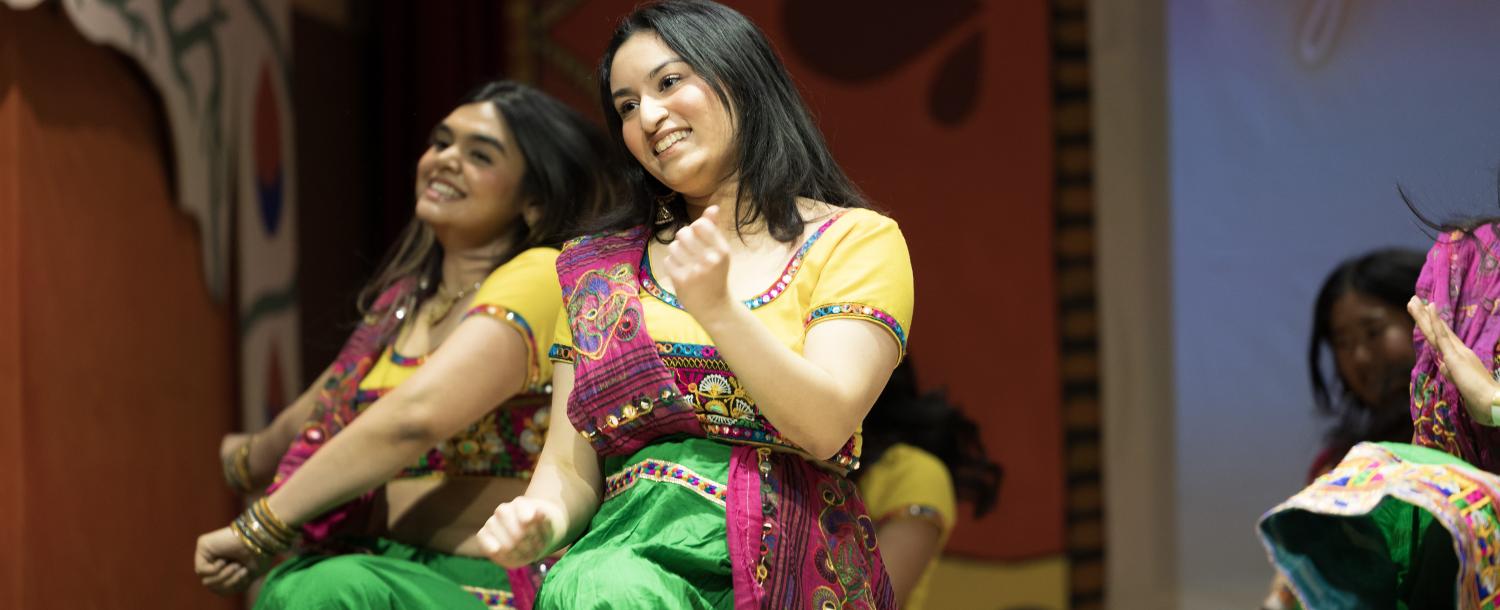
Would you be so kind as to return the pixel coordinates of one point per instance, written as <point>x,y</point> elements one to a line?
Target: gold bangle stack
<point>237,471</point>
<point>262,531</point>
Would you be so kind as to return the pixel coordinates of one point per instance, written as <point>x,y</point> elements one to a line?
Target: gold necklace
<point>440,303</point>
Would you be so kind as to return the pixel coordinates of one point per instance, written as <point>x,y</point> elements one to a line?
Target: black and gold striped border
<point>1078,319</point>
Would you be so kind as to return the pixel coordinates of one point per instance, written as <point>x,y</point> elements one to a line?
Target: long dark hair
<point>566,177</point>
<point>904,414</point>
<point>780,154</point>
<point>1464,224</point>
<point>1389,276</point>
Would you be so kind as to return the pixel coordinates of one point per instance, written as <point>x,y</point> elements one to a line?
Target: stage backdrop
<point>123,357</point>
<point>221,72</point>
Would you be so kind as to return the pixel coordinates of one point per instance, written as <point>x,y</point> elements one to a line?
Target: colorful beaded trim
<point>665,472</point>
<point>668,349</point>
<point>770,493</point>
<point>405,361</point>
<point>533,366</point>
<point>648,280</point>
<point>749,436</point>
<point>364,397</point>
<point>630,412</point>
<point>859,311</point>
<point>494,599</point>
<point>560,353</point>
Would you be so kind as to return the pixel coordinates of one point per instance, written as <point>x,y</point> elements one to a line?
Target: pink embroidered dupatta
<point>1462,279</point>
<point>799,536</point>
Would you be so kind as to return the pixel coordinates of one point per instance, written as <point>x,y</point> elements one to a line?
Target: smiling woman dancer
<point>436,408</point>
<point>718,349</point>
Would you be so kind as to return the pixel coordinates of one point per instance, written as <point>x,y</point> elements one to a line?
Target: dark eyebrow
<point>623,91</point>
<point>484,139</point>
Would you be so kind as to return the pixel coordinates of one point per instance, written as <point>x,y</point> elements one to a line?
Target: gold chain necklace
<point>438,306</point>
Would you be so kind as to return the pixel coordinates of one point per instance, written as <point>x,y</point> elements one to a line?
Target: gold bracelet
<point>237,472</point>
<point>262,532</point>
<point>261,511</point>
<point>239,532</point>
<point>242,462</point>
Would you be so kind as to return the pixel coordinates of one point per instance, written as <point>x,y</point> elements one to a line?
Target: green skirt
<point>659,538</point>
<point>1392,526</point>
<point>385,574</point>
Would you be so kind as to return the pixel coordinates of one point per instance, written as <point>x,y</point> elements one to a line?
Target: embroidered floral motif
<point>535,430</point>
<point>599,309</point>
<point>665,472</point>
<point>505,442</point>
<point>722,395</point>
<point>471,449</point>
<point>724,409</point>
<point>817,544</point>
<point>845,561</point>
<point>1432,417</point>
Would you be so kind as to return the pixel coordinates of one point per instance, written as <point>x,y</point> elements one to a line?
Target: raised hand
<point>519,533</point>
<point>1456,362</point>
<point>224,564</point>
<point>697,261</point>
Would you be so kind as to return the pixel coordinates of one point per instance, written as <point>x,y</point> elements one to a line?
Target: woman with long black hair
<point>722,341</point>
<point>436,407</point>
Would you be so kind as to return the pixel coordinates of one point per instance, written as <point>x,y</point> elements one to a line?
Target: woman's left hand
<point>1476,384</point>
<point>225,565</point>
<point>697,261</point>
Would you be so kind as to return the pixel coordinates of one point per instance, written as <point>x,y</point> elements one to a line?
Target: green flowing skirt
<point>659,538</point>
<point>1392,526</point>
<point>385,574</point>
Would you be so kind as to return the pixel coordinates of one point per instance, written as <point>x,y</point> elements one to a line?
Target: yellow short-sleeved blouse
<point>522,293</point>
<point>909,483</point>
<point>855,265</point>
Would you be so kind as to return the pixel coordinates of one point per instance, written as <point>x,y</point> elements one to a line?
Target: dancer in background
<point>921,457</point>
<point>1360,319</point>
<point>436,408</point>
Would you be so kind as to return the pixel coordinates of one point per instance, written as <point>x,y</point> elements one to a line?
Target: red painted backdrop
<point>117,366</point>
